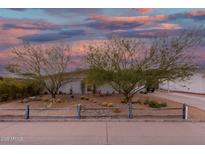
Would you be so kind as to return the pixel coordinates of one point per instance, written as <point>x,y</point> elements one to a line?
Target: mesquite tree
<point>128,65</point>
<point>46,63</point>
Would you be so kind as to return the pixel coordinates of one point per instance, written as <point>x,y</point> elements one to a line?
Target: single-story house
<point>195,84</point>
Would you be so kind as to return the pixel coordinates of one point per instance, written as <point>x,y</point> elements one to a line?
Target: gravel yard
<point>118,109</point>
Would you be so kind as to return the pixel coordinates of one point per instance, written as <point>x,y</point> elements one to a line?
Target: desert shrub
<point>18,88</point>
<point>116,110</point>
<point>82,97</point>
<point>58,100</point>
<point>93,101</point>
<point>37,99</point>
<point>46,99</point>
<point>86,98</point>
<point>4,97</point>
<point>147,102</point>
<point>154,104</point>
<point>74,105</point>
<point>21,101</point>
<point>33,87</point>
<point>49,105</point>
<point>163,104</point>
<point>104,104</point>
<point>64,99</point>
<point>123,101</point>
<point>50,100</point>
<point>110,105</point>
<point>139,101</point>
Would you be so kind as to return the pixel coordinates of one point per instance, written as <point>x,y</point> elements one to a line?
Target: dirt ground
<point>70,108</point>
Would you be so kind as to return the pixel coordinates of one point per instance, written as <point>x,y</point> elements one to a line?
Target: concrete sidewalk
<point>102,133</point>
<point>189,99</point>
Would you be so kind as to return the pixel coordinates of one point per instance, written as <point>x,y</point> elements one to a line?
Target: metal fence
<point>107,111</point>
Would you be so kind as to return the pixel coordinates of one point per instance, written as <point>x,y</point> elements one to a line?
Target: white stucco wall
<point>77,89</point>
<point>196,84</point>
<point>105,88</point>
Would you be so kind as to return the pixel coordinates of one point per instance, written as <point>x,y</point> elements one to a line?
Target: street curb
<point>95,120</point>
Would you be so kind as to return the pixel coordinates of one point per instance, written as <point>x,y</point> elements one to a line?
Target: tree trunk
<point>53,95</point>
<point>126,99</point>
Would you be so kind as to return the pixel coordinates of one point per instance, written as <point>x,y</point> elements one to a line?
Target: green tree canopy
<point>129,64</point>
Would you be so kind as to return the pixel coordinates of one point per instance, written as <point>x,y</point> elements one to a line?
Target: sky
<point>84,26</point>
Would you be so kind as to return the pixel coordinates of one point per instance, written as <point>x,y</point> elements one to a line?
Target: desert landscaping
<point>95,106</point>
<point>102,76</point>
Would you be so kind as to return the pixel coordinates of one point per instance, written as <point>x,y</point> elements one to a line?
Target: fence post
<point>27,111</point>
<point>185,112</point>
<point>130,115</point>
<point>25,100</point>
<point>78,111</point>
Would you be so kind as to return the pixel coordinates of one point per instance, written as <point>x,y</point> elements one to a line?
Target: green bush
<point>11,88</point>
<point>147,102</point>
<point>163,104</point>
<point>4,97</point>
<point>154,104</point>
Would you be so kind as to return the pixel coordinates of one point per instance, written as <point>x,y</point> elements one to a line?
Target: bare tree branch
<point>47,63</point>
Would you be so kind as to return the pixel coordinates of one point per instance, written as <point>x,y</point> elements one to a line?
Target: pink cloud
<point>196,13</point>
<point>169,26</point>
<point>13,29</point>
<point>133,19</point>
<point>143,10</point>
<point>10,36</point>
<point>28,24</point>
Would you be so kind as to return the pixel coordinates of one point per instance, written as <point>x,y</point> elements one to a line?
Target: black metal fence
<point>79,110</point>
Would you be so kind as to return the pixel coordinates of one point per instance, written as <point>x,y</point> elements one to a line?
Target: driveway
<point>102,133</point>
<point>189,99</point>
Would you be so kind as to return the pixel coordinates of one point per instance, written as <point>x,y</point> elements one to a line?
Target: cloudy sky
<point>82,26</point>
